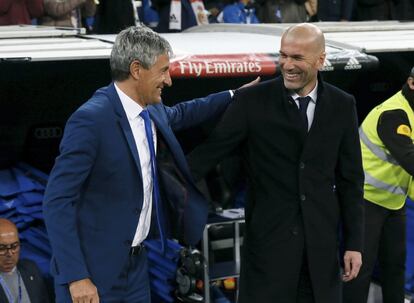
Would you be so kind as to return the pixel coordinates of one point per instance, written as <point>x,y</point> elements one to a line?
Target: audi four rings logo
<point>48,132</point>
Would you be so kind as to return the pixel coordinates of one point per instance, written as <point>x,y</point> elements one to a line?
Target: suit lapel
<point>3,297</point>
<point>317,116</point>
<point>124,124</point>
<point>291,109</point>
<point>126,128</point>
<point>27,279</point>
<point>169,138</point>
<point>160,124</point>
<point>321,113</point>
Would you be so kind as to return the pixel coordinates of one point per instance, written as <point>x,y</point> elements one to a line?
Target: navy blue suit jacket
<point>94,195</point>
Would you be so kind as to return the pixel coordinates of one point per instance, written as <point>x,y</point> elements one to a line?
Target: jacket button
<point>295,231</point>
<point>302,165</point>
<point>302,197</point>
<point>127,242</point>
<point>136,211</point>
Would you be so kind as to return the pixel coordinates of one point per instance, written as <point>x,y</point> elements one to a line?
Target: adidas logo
<point>352,63</point>
<point>327,66</point>
<point>173,18</point>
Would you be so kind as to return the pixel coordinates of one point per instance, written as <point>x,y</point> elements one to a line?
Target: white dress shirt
<point>132,110</point>
<point>310,111</point>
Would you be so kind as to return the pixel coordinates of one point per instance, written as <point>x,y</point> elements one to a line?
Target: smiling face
<point>302,55</point>
<point>150,82</point>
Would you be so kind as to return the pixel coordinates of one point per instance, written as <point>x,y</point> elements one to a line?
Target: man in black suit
<point>305,177</point>
<point>20,280</point>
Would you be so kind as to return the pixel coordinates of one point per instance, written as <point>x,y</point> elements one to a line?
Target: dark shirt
<point>401,147</point>
<point>335,10</point>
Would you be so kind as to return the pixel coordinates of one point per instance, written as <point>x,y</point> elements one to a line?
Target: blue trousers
<point>131,286</point>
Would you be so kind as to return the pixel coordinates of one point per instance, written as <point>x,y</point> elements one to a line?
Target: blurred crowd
<point>111,16</point>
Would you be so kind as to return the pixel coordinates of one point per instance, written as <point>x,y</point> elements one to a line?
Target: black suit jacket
<point>300,186</point>
<point>33,281</point>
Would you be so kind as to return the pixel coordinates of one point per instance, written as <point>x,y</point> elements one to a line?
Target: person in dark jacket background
<point>388,159</point>
<point>335,10</point>
<point>112,16</point>
<point>20,279</point>
<point>282,11</point>
<point>366,10</point>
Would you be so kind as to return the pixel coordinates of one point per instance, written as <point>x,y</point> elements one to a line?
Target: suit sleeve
<point>191,113</point>
<point>77,153</point>
<point>227,136</point>
<point>400,146</point>
<point>349,183</point>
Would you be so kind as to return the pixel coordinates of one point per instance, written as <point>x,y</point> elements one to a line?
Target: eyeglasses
<point>13,248</point>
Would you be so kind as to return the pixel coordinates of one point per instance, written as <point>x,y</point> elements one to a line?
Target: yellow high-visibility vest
<point>386,182</point>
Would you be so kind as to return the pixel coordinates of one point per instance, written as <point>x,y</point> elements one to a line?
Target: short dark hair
<point>412,72</point>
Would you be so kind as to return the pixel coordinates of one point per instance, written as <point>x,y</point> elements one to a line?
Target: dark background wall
<point>36,99</point>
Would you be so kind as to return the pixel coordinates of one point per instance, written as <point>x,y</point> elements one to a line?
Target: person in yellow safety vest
<point>387,148</point>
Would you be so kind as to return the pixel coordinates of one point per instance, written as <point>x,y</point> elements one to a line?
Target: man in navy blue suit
<point>106,184</point>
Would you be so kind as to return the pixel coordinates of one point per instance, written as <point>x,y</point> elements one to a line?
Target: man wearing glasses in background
<point>20,280</point>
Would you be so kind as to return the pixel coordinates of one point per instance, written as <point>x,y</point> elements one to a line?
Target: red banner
<point>194,66</point>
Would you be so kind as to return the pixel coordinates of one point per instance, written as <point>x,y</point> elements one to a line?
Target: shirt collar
<point>313,94</point>
<point>10,272</point>
<point>132,108</point>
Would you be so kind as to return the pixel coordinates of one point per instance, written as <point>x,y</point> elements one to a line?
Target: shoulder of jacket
<point>332,89</point>
<point>262,86</point>
<point>100,102</point>
<point>26,264</point>
<point>159,109</point>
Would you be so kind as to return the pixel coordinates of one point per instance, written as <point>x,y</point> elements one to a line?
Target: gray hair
<point>136,43</point>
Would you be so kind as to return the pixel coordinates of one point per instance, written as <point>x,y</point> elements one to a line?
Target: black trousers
<point>305,290</point>
<point>385,242</point>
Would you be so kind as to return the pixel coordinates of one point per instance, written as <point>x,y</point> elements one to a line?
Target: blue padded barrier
<point>409,263</point>
<point>21,194</point>
<point>162,269</point>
